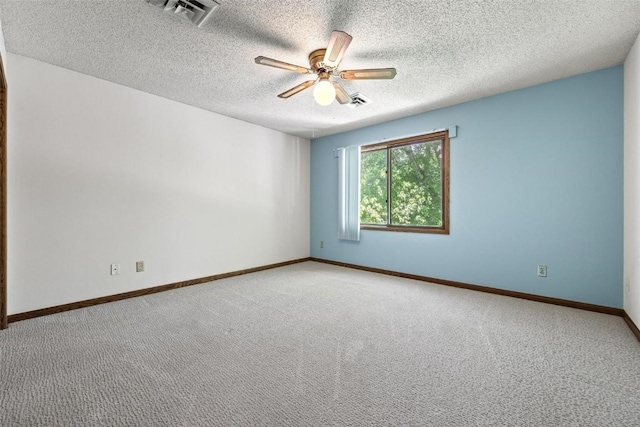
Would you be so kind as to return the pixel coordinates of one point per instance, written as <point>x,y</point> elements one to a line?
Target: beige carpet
<point>318,345</point>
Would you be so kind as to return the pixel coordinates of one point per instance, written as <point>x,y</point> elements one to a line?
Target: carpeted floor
<point>318,345</point>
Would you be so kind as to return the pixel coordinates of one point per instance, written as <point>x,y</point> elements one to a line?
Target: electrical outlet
<point>627,284</point>
<point>115,269</point>
<point>321,244</point>
<point>542,270</point>
<point>139,266</point>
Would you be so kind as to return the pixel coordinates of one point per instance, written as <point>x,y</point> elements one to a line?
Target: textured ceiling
<point>446,51</point>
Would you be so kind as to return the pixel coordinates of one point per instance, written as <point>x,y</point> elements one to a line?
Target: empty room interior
<point>319,213</point>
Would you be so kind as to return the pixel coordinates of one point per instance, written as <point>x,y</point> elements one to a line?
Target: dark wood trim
<point>435,136</point>
<point>117,297</point>
<point>3,76</point>
<point>405,229</point>
<point>445,184</point>
<point>3,197</point>
<point>148,291</point>
<point>487,289</point>
<point>631,325</point>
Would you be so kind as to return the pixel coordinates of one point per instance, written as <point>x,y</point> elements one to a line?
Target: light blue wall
<point>536,178</point>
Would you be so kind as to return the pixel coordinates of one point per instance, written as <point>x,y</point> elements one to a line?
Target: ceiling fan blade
<point>338,45</point>
<point>263,60</point>
<point>370,74</point>
<point>341,95</point>
<point>297,89</point>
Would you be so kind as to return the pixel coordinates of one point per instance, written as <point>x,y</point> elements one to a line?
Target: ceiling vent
<point>358,100</point>
<point>195,11</point>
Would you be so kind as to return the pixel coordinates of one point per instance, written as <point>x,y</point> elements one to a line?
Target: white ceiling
<point>445,51</point>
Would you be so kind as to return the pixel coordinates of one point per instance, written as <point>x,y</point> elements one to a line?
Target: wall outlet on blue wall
<point>542,271</point>
<point>321,244</point>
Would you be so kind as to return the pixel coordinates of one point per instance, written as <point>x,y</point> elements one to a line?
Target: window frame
<point>425,138</point>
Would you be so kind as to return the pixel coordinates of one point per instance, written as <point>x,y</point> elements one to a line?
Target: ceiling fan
<point>324,63</point>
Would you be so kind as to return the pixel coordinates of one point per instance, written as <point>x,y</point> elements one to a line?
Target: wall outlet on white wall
<point>542,270</point>
<point>115,269</point>
<point>627,284</point>
<point>139,266</point>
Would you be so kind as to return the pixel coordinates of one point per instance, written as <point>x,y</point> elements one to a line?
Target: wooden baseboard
<point>631,325</point>
<point>110,298</point>
<point>522,295</point>
<point>141,292</point>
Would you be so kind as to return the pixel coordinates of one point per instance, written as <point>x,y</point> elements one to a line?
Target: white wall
<point>100,173</point>
<point>632,183</point>
<point>3,50</point>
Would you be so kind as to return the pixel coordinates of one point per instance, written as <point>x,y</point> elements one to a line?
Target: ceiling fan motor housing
<point>316,61</point>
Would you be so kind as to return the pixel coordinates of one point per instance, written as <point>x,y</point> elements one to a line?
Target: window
<point>404,185</point>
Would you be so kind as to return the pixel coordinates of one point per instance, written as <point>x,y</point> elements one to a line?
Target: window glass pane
<point>416,184</point>
<point>373,187</point>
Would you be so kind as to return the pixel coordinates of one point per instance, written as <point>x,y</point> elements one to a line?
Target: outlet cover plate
<point>115,269</point>
<point>139,266</point>
<point>542,271</point>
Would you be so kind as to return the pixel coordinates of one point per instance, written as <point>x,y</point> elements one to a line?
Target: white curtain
<point>349,193</point>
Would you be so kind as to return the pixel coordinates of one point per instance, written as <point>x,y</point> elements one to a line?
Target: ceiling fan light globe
<point>324,93</point>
